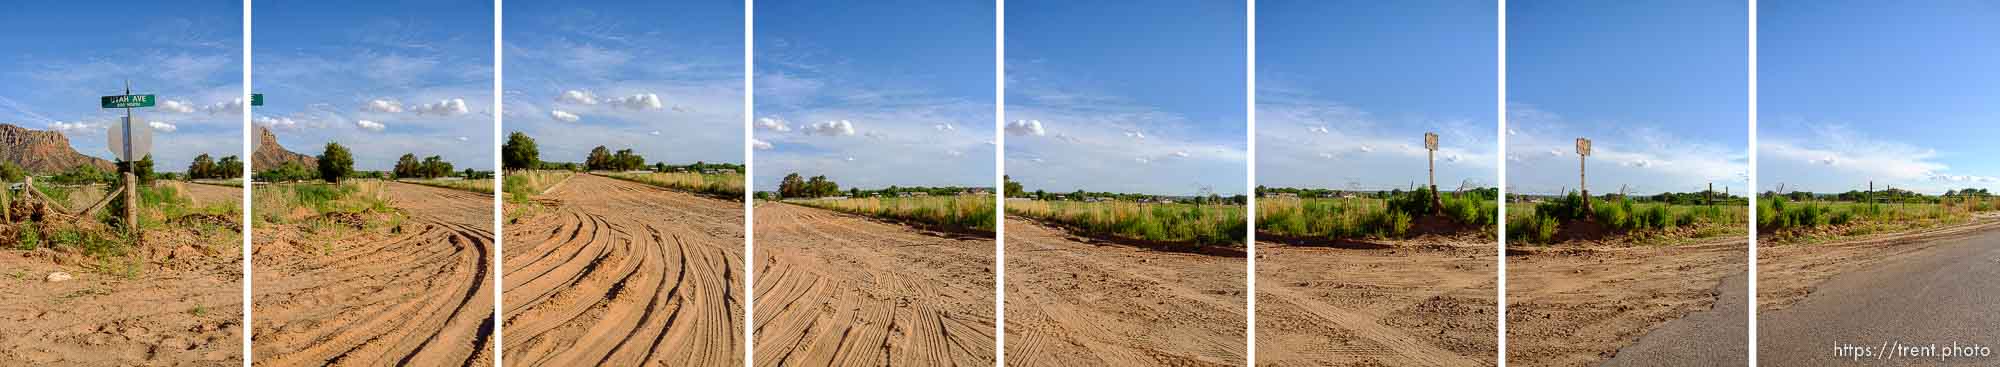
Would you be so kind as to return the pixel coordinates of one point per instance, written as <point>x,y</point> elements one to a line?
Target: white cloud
<point>176,106</point>
<point>563,116</point>
<point>760,144</point>
<point>773,124</point>
<point>370,125</point>
<point>1136,134</point>
<point>233,107</point>
<point>643,101</point>
<point>164,127</point>
<point>944,127</point>
<point>67,127</point>
<point>831,128</point>
<point>577,97</point>
<point>1320,129</point>
<point>1182,154</point>
<point>383,105</point>
<point>280,123</point>
<point>449,107</point>
<point>1025,128</point>
<point>461,138</point>
<point>654,133</point>
<point>954,153</point>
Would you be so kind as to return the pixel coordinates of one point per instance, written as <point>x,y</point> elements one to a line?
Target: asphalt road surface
<point>1717,336</point>
<point>1950,294</point>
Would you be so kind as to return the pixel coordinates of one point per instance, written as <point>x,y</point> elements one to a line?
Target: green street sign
<point>256,99</point>
<point>127,101</point>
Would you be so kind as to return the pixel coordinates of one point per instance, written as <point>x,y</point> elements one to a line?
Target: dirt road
<point>1424,302</point>
<point>1578,306</point>
<point>616,273</point>
<point>420,295</point>
<point>180,305</point>
<point>1077,303</point>
<point>1919,289</point>
<point>836,289</point>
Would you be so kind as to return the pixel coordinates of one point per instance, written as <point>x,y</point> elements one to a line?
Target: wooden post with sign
<point>1430,155</point>
<point>130,141</point>
<point>1582,181</point>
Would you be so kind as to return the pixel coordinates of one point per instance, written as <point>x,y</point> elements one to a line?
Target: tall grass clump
<point>1352,218</point>
<point>484,186</point>
<point>523,185</point>
<point>1213,224</point>
<point>274,203</point>
<point>727,185</point>
<point>959,212</point>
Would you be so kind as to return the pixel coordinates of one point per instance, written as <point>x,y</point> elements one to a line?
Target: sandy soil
<point>836,289</point>
<point>1078,302</point>
<point>617,273</point>
<point>419,295</point>
<point>1427,301</point>
<point>1572,305</point>
<point>1787,274</point>
<point>182,308</point>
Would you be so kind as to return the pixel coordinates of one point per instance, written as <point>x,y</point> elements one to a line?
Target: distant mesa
<point>42,151</point>
<point>270,155</point>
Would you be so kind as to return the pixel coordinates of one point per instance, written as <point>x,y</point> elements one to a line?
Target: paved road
<point>1948,294</point>
<point>1717,336</point>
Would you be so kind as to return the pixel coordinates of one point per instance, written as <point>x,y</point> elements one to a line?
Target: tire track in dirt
<point>1428,303</point>
<point>841,290</point>
<point>182,308</point>
<point>1577,305</point>
<point>622,274</point>
<point>1074,303</point>
<point>420,295</point>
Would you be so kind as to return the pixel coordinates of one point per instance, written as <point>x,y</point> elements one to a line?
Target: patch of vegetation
<point>274,203</point>
<point>1210,224</point>
<point>958,212</point>
<point>724,185</point>
<point>1657,218</point>
<point>1383,215</point>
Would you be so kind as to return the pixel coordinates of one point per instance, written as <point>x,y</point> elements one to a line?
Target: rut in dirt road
<point>184,307</point>
<point>419,297</point>
<point>842,290</point>
<point>1074,303</point>
<point>624,274</point>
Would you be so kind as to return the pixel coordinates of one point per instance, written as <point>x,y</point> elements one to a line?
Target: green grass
<point>1644,220</point>
<point>726,185</point>
<point>1353,218</point>
<point>273,203</point>
<point>960,212</point>
<point>483,186</point>
<point>1213,224</point>
<point>1791,221</point>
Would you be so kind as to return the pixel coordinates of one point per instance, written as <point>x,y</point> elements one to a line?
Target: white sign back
<point>142,138</point>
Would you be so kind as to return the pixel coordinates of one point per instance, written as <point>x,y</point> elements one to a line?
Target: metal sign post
<point>1430,155</point>
<point>1582,152</point>
<point>130,141</point>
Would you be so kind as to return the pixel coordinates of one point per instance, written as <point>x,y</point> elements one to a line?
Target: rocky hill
<point>43,152</point>
<point>270,155</point>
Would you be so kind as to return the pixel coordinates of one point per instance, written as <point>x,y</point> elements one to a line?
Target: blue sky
<point>1660,87</point>
<point>383,78</point>
<point>877,93</point>
<point>1145,97</point>
<point>1902,94</point>
<point>63,55</point>
<point>662,78</point>
<point>1346,90</point>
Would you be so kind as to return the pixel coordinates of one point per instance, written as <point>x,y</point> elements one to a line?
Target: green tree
<point>792,186</point>
<point>335,163</point>
<point>519,152</point>
<point>142,169</point>
<point>407,166</point>
<point>434,167</point>
<point>599,159</point>
<point>229,167</point>
<point>203,167</point>
<point>1013,188</point>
